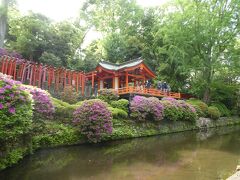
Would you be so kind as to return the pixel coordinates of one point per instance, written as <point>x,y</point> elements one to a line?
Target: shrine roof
<point>116,67</point>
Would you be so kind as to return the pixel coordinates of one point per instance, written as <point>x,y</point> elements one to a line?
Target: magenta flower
<point>1,106</point>
<point>2,90</point>
<point>12,110</point>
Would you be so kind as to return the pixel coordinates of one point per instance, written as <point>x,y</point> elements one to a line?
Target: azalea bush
<point>15,109</point>
<point>43,106</point>
<point>108,95</point>
<point>202,107</point>
<point>94,120</point>
<point>143,109</point>
<point>171,111</point>
<point>178,110</point>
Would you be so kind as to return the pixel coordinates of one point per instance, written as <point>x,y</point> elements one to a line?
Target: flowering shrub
<point>202,106</point>
<point>107,95</point>
<point>43,106</point>
<point>15,109</point>
<point>143,108</point>
<point>94,120</point>
<point>178,110</point>
<point>171,111</point>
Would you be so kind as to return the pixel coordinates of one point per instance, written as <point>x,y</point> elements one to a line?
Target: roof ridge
<point>123,63</point>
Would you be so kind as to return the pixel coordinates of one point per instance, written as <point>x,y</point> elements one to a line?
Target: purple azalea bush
<point>43,106</point>
<point>143,109</point>
<point>94,120</point>
<point>15,108</point>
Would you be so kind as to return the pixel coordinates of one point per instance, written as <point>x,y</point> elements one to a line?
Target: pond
<point>189,155</point>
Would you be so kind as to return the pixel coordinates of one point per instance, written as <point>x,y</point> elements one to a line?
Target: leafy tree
<point>199,33</point>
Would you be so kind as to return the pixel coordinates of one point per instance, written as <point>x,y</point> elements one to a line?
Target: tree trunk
<point>3,21</point>
<point>206,95</point>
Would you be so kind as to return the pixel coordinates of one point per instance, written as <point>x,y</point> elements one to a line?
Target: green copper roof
<point>116,67</point>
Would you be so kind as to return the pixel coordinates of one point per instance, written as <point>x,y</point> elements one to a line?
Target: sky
<point>59,10</point>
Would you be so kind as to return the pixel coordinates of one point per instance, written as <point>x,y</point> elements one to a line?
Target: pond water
<point>190,155</point>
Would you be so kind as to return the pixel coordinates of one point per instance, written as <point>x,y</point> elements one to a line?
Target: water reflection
<point>190,155</point>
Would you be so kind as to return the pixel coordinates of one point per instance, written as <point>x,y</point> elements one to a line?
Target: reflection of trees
<point>88,160</point>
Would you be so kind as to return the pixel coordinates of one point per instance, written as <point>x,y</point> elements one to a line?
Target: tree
<point>4,19</point>
<point>38,38</point>
<point>199,34</point>
<point>119,22</point>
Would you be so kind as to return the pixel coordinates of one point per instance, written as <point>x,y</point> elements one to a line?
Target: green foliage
<point>199,111</point>
<point>38,38</point>
<point>107,95</point>
<point>63,109</point>
<point>222,108</point>
<point>118,113</point>
<point>201,105</point>
<point>213,112</point>
<point>171,112</point>
<point>69,95</point>
<point>12,157</point>
<point>55,134</point>
<point>225,94</point>
<point>121,104</point>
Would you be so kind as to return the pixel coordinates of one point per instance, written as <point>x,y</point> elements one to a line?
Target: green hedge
<point>120,104</point>
<point>213,112</point>
<point>64,110</point>
<point>118,113</point>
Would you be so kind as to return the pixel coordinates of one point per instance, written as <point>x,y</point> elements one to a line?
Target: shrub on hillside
<point>94,120</point>
<point>178,110</point>
<point>69,95</point>
<point>63,109</point>
<point>15,110</point>
<point>203,106</point>
<point>213,112</point>
<point>224,111</point>
<point>143,108</point>
<point>118,113</point>
<point>43,106</point>
<point>108,95</point>
<point>171,111</point>
<point>120,104</point>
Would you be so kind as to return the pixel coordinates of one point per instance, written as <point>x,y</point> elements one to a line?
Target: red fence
<point>43,76</point>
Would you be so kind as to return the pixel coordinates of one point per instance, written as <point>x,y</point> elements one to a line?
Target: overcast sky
<point>59,9</point>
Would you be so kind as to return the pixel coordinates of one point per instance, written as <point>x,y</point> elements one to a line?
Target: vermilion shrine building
<point>125,78</point>
<point>115,76</point>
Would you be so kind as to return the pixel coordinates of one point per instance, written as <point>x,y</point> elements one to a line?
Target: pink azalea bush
<point>43,106</point>
<point>143,109</point>
<point>94,120</point>
<point>15,109</point>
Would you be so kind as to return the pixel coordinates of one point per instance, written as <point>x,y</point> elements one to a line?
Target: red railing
<point>43,76</point>
<point>147,91</point>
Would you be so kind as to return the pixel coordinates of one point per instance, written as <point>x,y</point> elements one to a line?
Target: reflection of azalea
<point>1,106</point>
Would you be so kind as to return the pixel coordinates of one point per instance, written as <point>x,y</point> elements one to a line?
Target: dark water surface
<point>186,156</point>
